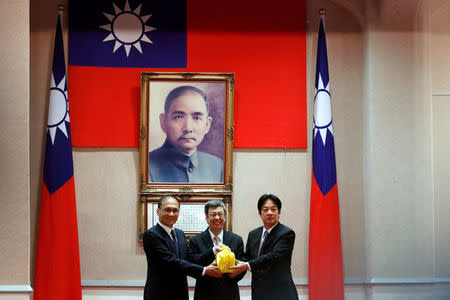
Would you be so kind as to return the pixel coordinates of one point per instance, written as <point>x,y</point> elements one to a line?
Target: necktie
<point>263,242</point>
<point>216,241</point>
<point>175,242</point>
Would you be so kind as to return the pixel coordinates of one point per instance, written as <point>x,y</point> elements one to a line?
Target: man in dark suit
<point>269,254</point>
<point>202,248</point>
<point>166,251</point>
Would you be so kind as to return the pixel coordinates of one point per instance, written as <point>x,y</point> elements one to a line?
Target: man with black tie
<point>166,251</point>
<point>269,253</point>
<point>202,247</point>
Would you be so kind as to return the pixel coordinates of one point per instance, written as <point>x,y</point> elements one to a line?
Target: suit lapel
<point>226,238</point>
<point>270,238</point>
<point>181,244</point>
<point>206,237</point>
<point>167,238</point>
<point>255,242</point>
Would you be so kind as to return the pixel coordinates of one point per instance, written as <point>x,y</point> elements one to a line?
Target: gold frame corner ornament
<point>230,133</point>
<point>142,132</point>
<point>188,75</point>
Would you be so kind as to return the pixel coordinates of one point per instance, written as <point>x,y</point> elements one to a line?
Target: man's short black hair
<point>214,203</point>
<point>160,201</point>
<point>181,90</point>
<point>266,197</point>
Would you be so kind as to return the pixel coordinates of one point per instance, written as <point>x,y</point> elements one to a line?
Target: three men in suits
<point>166,250</point>
<point>269,253</point>
<point>203,253</point>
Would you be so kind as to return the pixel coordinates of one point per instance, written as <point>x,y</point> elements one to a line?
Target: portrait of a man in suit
<point>225,287</point>
<point>269,254</point>
<point>185,122</point>
<point>166,250</point>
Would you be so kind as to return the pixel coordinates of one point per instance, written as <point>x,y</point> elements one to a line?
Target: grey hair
<point>214,203</point>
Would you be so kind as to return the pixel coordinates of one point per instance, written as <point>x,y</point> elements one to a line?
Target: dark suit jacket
<point>208,288</point>
<point>271,271</point>
<point>166,272</point>
<point>167,164</point>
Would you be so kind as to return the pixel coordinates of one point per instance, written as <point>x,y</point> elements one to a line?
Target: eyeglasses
<point>171,210</point>
<point>213,215</point>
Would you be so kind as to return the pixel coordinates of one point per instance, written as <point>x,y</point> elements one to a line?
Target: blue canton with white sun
<point>58,163</point>
<point>127,28</point>
<point>128,33</point>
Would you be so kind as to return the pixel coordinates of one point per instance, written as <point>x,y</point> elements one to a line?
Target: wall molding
<point>389,281</point>
<point>298,282</point>
<point>15,289</point>
<point>242,283</point>
<point>440,93</point>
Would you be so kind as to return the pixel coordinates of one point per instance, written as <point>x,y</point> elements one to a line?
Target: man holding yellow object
<point>212,239</point>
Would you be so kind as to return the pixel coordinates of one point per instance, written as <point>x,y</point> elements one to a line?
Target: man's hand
<point>239,268</point>
<point>213,271</point>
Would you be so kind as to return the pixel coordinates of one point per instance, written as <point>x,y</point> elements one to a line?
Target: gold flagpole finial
<point>61,7</point>
<point>322,12</point>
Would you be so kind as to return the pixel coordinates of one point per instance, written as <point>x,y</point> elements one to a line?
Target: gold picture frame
<point>186,137</point>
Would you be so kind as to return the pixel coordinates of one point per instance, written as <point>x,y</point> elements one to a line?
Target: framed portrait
<point>186,137</point>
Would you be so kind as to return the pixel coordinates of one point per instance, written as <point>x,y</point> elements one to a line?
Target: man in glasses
<point>166,251</point>
<point>269,254</point>
<point>202,248</point>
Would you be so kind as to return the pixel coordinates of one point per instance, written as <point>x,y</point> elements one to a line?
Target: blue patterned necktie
<point>263,243</point>
<point>175,242</point>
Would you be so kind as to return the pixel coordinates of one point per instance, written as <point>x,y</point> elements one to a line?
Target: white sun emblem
<point>127,28</point>
<point>322,110</point>
<point>58,109</point>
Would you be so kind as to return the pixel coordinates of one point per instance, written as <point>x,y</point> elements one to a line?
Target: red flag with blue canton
<point>262,41</point>
<point>57,273</point>
<point>325,276</point>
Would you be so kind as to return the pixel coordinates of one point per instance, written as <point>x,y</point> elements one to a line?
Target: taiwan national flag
<point>325,277</point>
<point>262,41</point>
<point>57,261</point>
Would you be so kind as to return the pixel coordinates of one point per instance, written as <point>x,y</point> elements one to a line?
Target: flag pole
<point>325,275</point>
<point>57,270</point>
<point>323,14</point>
<point>61,8</point>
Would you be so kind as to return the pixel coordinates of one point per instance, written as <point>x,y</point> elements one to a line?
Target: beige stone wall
<point>399,231</point>
<point>15,145</point>
<point>440,81</point>
<point>106,179</point>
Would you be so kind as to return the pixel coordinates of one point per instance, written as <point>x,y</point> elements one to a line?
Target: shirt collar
<point>220,236</point>
<point>268,230</point>
<point>166,228</point>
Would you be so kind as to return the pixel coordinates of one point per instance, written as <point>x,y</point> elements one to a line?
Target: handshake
<point>225,262</point>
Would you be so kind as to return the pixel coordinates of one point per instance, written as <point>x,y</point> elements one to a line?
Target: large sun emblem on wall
<point>127,28</point>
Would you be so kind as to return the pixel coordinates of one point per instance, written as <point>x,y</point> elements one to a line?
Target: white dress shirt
<point>220,236</point>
